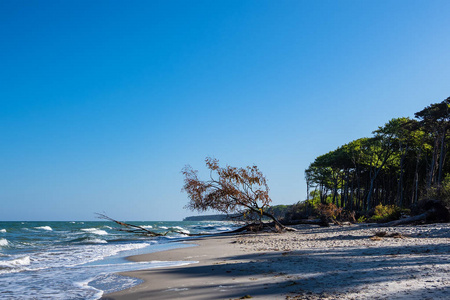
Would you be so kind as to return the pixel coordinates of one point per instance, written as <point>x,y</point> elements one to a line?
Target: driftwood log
<point>252,227</point>
<point>322,221</point>
<point>410,220</point>
<point>434,211</point>
<point>141,230</point>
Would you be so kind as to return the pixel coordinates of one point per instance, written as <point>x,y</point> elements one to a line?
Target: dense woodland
<point>403,162</point>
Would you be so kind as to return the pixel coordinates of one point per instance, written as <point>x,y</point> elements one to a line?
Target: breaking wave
<point>14,263</point>
<point>44,228</point>
<point>95,231</point>
<point>3,242</point>
<point>181,229</point>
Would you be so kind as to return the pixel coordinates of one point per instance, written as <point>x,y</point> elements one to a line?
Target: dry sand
<point>313,263</point>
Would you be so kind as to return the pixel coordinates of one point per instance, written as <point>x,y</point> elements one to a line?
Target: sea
<point>79,260</point>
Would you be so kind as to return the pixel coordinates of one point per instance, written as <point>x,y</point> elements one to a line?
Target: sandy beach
<point>347,262</point>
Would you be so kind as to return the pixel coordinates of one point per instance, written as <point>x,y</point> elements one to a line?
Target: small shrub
<point>386,213</point>
<point>361,219</point>
<point>440,192</point>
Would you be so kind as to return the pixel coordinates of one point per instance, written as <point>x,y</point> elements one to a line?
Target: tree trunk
<point>372,180</point>
<point>421,217</point>
<point>442,155</point>
<point>275,220</point>
<point>400,182</point>
<point>335,190</point>
<point>416,178</point>
<point>352,193</point>
<point>433,163</point>
<point>345,198</point>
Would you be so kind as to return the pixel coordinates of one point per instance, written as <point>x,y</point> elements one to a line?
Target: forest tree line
<point>403,162</point>
<point>377,177</point>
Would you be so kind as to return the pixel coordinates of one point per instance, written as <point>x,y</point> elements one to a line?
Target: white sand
<point>313,263</point>
<point>344,263</point>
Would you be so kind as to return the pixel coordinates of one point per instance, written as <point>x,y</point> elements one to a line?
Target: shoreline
<point>313,263</point>
<point>219,270</point>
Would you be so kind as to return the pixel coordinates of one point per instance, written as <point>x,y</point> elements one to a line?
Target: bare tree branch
<point>131,228</point>
<point>229,190</point>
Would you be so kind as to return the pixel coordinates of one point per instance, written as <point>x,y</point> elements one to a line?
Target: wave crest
<point>181,229</point>
<point>95,231</point>
<point>3,242</point>
<point>17,262</point>
<point>44,228</point>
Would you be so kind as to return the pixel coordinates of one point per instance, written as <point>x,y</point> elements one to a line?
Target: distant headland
<point>218,217</point>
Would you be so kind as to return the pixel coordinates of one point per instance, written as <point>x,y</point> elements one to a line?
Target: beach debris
<point>381,234</point>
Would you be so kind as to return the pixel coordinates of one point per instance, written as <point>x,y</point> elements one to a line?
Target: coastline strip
<point>409,262</point>
<point>225,270</point>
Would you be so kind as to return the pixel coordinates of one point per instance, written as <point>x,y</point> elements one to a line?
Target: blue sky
<point>102,103</point>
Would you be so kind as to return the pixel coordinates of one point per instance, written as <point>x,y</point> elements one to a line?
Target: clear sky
<point>102,103</point>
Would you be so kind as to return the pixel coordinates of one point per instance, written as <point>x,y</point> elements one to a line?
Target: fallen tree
<point>131,228</point>
<point>135,229</point>
<point>432,211</point>
<point>230,190</point>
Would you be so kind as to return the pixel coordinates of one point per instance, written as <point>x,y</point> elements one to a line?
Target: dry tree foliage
<point>329,211</point>
<point>229,190</point>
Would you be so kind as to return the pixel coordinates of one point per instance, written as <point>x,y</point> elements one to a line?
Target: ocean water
<point>77,260</point>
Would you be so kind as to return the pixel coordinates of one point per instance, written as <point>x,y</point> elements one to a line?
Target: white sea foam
<point>14,263</point>
<point>58,258</point>
<point>84,284</point>
<point>44,228</point>
<point>96,241</point>
<point>163,227</point>
<point>3,242</point>
<point>95,231</point>
<point>75,257</point>
<point>147,226</point>
<point>181,229</point>
<point>109,283</point>
<point>224,228</point>
<point>177,289</point>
